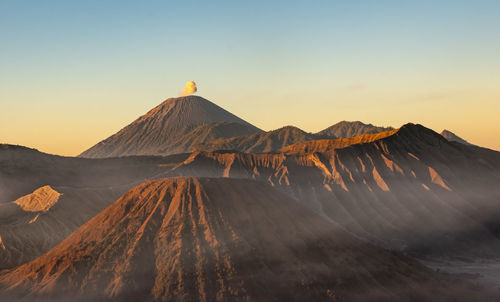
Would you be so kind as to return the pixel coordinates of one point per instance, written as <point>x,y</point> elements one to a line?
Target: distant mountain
<point>351,129</point>
<point>280,138</point>
<point>166,128</point>
<point>190,239</point>
<point>260,142</point>
<point>452,137</point>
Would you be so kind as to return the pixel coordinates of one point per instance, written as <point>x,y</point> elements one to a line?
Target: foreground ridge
<point>206,239</point>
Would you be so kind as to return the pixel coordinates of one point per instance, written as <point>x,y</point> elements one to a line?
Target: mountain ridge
<point>346,129</point>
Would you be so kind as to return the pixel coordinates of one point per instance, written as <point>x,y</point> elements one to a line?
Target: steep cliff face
<point>188,239</point>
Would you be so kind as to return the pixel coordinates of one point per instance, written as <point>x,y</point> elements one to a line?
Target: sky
<point>74,72</point>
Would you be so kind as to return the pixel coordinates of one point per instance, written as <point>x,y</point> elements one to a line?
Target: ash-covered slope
<point>452,137</point>
<point>410,190</point>
<point>351,129</point>
<point>159,131</point>
<point>260,142</point>
<point>192,239</point>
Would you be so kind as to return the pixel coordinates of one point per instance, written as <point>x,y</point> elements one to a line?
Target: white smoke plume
<point>189,89</point>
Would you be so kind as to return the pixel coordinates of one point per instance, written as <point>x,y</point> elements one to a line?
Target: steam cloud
<point>189,89</point>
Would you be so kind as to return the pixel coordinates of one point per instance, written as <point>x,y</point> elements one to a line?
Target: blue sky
<point>74,72</point>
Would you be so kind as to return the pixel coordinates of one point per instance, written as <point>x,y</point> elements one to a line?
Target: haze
<point>74,73</point>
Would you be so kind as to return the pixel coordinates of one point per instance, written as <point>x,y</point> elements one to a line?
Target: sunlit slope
<point>326,145</point>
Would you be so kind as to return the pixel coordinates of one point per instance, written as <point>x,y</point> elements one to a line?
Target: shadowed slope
<point>220,240</point>
<point>159,131</point>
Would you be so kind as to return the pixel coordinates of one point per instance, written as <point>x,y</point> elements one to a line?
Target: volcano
<point>166,128</point>
<point>207,239</point>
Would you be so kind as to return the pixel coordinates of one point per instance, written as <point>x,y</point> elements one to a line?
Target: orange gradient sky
<point>73,74</point>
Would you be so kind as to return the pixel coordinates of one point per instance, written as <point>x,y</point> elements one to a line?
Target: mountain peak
<point>207,111</point>
<point>418,130</point>
<point>163,126</point>
<point>185,98</point>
